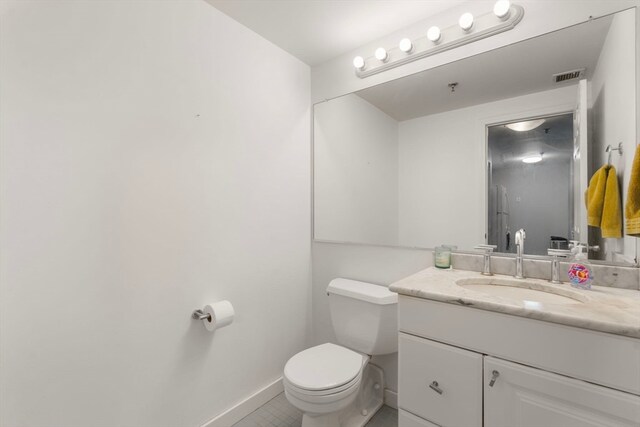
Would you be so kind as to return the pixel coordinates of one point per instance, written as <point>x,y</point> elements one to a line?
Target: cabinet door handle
<point>494,376</point>
<point>434,387</point>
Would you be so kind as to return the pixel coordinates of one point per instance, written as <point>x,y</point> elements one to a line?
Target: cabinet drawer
<point>457,372</point>
<point>522,397</point>
<point>613,360</point>
<point>406,419</point>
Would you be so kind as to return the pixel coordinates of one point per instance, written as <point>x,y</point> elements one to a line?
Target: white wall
<point>154,157</point>
<point>355,172</point>
<point>441,180</point>
<point>614,115</point>
<point>443,188</point>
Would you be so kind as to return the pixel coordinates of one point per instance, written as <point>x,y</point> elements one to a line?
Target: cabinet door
<point>526,397</point>
<point>440,383</point>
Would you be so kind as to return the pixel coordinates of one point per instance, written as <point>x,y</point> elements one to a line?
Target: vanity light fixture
<point>525,126</point>
<point>466,22</point>
<point>532,158</point>
<point>504,17</point>
<point>405,45</point>
<point>381,54</point>
<point>501,9</point>
<point>434,34</point>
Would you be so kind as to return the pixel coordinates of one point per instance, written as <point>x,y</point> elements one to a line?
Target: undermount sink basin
<point>531,294</point>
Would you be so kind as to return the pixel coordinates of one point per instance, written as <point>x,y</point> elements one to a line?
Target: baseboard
<point>391,398</point>
<point>247,406</point>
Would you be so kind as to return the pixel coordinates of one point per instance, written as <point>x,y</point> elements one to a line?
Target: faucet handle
<point>486,248</point>
<point>555,263</point>
<point>574,243</point>
<point>562,253</point>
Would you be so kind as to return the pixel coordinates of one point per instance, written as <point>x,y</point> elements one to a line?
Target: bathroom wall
<point>614,113</point>
<point>356,172</point>
<point>383,265</point>
<point>154,157</point>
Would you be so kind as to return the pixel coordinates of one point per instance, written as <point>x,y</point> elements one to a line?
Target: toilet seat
<point>324,369</point>
<point>354,383</point>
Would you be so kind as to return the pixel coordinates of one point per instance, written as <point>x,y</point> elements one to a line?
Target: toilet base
<point>369,400</point>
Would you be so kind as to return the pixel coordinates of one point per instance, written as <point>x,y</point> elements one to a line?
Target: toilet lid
<point>323,367</point>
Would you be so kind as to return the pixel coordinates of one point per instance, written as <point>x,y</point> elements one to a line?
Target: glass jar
<point>443,256</point>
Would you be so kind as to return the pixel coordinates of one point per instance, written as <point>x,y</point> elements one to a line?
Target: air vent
<point>568,75</point>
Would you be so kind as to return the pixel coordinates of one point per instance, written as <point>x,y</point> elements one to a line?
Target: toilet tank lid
<point>369,292</point>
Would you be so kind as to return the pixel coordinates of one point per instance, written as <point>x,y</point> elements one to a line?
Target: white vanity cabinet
<point>545,374</point>
<point>436,380</point>
<point>526,397</point>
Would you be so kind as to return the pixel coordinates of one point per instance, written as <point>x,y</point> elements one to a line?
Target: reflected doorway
<point>530,176</point>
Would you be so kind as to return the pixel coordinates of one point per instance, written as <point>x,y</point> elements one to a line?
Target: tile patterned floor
<point>278,412</point>
<point>385,417</point>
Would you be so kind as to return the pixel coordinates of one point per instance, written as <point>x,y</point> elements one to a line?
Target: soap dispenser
<point>580,271</point>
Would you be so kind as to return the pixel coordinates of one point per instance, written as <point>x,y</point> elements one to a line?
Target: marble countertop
<point>604,309</point>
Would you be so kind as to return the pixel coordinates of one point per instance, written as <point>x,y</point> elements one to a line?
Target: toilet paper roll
<point>221,315</point>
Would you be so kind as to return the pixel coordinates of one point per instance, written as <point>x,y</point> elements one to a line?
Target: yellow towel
<point>603,202</point>
<point>595,196</point>
<point>632,207</point>
<point>611,211</point>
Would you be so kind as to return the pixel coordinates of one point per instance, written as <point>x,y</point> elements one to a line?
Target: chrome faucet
<point>486,267</point>
<point>519,241</point>
<point>555,263</point>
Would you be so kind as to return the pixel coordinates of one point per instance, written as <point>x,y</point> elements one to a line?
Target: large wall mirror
<point>469,152</point>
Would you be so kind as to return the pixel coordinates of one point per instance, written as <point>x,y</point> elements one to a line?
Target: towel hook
<point>610,149</point>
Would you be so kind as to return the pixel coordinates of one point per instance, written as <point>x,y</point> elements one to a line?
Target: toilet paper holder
<point>200,315</point>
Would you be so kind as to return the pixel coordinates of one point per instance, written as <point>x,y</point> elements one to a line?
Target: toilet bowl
<point>336,386</point>
<point>325,381</point>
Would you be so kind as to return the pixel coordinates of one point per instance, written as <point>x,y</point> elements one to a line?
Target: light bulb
<point>434,34</point>
<point>405,45</point>
<point>381,54</point>
<point>466,21</point>
<point>525,126</point>
<point>358,62</point>
<point>502,8</point>
<point>533,158</point>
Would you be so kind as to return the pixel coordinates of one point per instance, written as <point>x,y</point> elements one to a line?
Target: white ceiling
<point>318,30</point>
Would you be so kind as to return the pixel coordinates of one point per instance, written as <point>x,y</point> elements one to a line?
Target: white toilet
<point>334,385</point>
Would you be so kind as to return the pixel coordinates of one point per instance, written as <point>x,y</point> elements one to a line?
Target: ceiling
<point>554,139</point>
<point>514,70</point>
<point>318,30</point>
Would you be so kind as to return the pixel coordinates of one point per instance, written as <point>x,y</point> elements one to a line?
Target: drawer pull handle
<point>434,387</point>
<point>494,376</point>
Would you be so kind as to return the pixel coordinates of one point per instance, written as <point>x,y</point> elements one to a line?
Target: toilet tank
<point>364,316</point>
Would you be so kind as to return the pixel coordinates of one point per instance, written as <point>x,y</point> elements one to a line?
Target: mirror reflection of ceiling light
<point>501,9</point>
<point>434,34</point>
<point>466,21</point>
<point>525,126</point>
<point>405,45</point>
<point>532,158</point>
